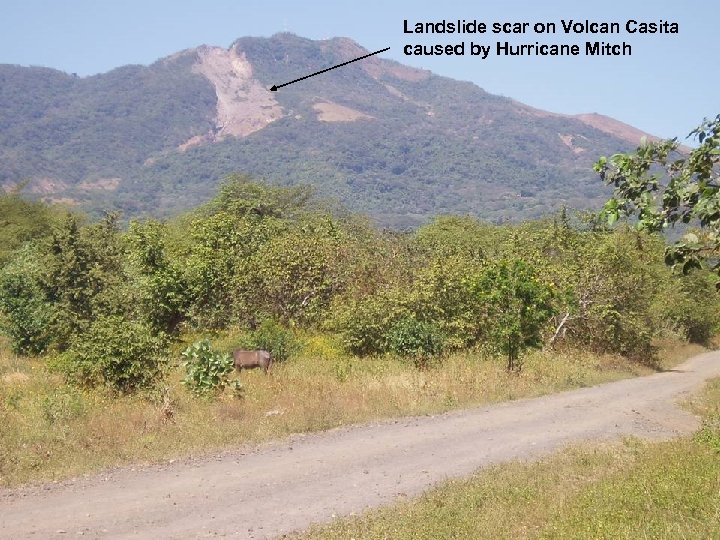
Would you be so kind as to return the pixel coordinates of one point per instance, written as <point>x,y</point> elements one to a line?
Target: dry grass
<point>52,431</point>
<point>630,490</point>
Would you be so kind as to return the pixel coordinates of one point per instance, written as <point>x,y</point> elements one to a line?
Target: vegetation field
<point>53,431</point>
<point>117,338</point>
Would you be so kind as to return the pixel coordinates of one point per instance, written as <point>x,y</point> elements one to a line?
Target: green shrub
<point>270,336</point>
<point>607,282</point>
<point>519,306</point>
<point>416,339</point>
<point>446,293</point>
<point>207,370</point>
<point>365,324</point>
<point>25,314</point>
<point>160,289</point>
<point>61,405</point>
<point>121,354</point>
<point>689,306</point>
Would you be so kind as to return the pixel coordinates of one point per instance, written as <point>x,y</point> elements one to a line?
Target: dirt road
<point>285,486</point>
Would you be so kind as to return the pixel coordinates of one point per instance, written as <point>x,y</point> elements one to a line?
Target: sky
<point>666,86</point>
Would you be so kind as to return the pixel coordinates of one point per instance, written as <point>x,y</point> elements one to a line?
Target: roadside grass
<point>51,431</point>
<point>633,489</point>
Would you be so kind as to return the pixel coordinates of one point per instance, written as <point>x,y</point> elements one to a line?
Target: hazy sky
<point>666,87</point>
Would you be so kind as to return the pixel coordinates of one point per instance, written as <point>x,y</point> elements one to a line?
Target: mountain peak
<point>387,139</point>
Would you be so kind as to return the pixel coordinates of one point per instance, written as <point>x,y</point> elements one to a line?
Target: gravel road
<point>277,488</point>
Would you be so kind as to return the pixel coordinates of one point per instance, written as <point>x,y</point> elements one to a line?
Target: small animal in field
<point>252,359</point>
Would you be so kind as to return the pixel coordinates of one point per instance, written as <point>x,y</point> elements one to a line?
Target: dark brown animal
<point>252,359</point>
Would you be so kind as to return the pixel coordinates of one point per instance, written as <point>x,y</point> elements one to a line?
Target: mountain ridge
<point>396,142</point>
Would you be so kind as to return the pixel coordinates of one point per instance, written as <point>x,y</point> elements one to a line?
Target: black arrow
<point>274,87</point>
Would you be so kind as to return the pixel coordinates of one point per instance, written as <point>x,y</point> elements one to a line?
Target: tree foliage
<point>122,354</point>
<point>83,275</point>
<point>25,313</point>
<point>419,340</point>
<point>22,221</point>
<point>270,263</point>
<point>665,186</point>
<point>518,306</point>
<point>159,285</point>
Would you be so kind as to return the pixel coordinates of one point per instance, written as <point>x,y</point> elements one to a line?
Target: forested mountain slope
<point>398,143</point>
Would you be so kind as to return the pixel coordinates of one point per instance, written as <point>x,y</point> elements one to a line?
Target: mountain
<point>398,143</point>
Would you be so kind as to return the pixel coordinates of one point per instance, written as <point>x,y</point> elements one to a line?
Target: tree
<point>22,220</point>
<point>611,287</point>
<point>445,293</point>
<point>160,288</point>
<point>68,281</point>
<point>25,314</point>
<point>226,238</point>
<point>418,340</point>
<point>295,274</point>
<point>448,236</point>
<point>664,186</point>
<point>518,307</point>
<point>604,281</point>
<point>84,276</point>
<point>240,196</point>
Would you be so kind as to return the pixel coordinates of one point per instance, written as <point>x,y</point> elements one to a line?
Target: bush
<point>608,282</point>
<point>365,324</point>
<point>270,336</point>
<point>25,314</point>
<point>121,354</point>
<point>519,306</point>
<point>160,289</point>
<point>207,371</point>
<point>417,339</point>
<point>607,329</point>
<point>62,405</point>
<point>690,306</point>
